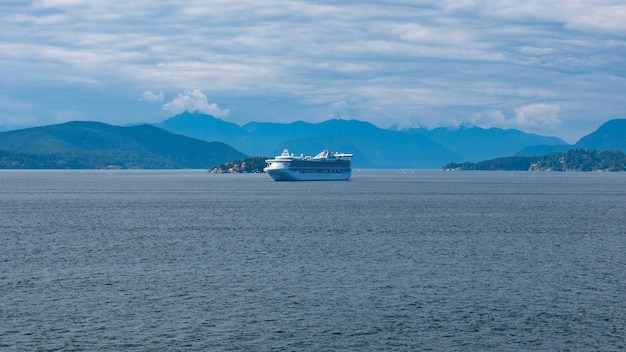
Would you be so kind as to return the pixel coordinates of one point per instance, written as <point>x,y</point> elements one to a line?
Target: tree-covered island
<point>571,160</point>
<point>253,164</point>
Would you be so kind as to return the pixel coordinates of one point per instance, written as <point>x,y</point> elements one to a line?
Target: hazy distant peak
<point>610,135</point>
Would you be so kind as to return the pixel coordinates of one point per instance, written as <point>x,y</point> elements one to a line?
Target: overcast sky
<point>555,68</point>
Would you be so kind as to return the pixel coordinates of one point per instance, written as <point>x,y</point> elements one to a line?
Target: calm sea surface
<point>391,260</point>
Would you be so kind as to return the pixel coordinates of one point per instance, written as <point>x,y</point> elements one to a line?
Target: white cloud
<point>149,96</point>
<point>194,101</point>
<point>543,117</point>
<point>56,3</point>
<point>397,62</point>
<point>489,118</point>
<point>535,118</point>
<point>604,15</point>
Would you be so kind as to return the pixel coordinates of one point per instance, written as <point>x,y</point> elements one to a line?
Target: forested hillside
<point>94,145</point>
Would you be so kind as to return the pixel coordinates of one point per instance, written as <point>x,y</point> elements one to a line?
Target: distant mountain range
<point>192,140</point>
<point>94,145</point>
<point>610,136</point>
<point>475,143</point>
<point>373,147</point>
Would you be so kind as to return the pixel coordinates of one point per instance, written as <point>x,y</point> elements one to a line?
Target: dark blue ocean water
<point>391,260</point>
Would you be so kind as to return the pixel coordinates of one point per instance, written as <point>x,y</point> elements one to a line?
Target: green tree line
<point>571,160</point>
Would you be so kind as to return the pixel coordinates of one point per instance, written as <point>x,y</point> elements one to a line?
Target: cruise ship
<point>325,166</point>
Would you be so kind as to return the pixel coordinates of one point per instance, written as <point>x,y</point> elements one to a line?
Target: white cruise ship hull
<point>293,175</point>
